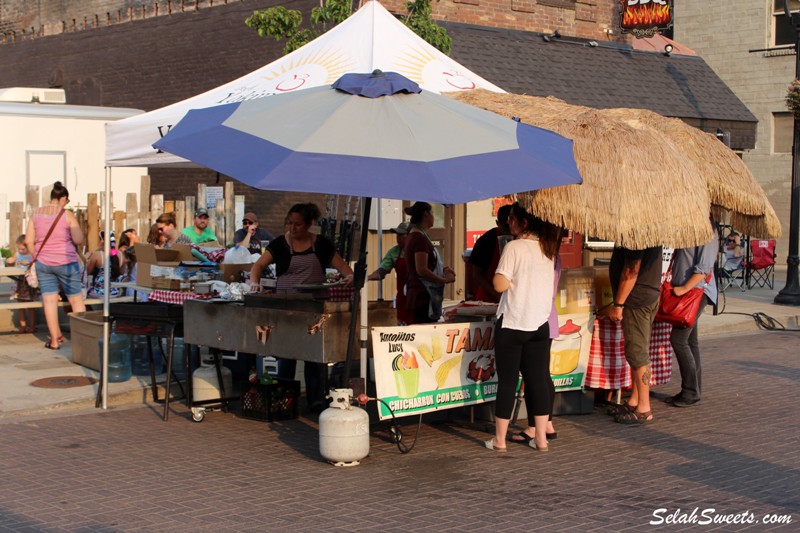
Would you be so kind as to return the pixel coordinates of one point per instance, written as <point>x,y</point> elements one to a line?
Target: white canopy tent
<point>370,39</point>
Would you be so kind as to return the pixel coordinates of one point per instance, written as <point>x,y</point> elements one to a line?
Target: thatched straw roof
<point>640,189</point>
<point>637,190</point>
<point>736,196</point>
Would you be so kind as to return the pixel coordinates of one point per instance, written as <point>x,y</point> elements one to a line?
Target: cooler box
<point>86,328</point>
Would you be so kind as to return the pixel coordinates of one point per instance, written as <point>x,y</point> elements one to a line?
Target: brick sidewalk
<point>126,470</point>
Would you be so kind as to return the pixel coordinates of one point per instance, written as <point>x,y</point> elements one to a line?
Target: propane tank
<point>205,385</point>
<point>343,430</point>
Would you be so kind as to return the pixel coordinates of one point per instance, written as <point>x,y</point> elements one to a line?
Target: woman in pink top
<point>57,262</point>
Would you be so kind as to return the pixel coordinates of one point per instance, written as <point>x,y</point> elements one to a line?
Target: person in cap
<point>251,235</point>
<point>485,256</point>
<point>395,259</point>
<point>427,274</point>
<point>199,232</point>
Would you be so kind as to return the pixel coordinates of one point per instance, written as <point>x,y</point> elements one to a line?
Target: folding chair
<point>762,264</point>
<point>733,271</point>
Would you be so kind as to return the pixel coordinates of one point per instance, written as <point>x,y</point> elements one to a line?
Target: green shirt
<point>206,236</point>
<point>390,259</point>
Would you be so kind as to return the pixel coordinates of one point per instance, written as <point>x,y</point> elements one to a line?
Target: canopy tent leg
<point>360,275</point>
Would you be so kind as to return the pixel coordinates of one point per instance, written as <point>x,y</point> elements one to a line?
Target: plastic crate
<point>280,400</point>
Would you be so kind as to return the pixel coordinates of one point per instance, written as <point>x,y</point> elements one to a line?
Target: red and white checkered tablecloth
<point>608,368</point>
<point>175,297</point>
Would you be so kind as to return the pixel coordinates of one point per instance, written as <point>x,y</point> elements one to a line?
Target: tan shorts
<point>636,327</point>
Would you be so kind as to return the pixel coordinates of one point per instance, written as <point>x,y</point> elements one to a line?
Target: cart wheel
<point>198,415</point>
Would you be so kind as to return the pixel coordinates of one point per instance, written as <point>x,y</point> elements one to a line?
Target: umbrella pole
<point>360,275</point>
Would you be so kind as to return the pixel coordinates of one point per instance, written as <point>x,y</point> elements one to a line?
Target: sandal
<point>524,438</point>
<point>542,449</point>
<point>634,417</point>
<point>617,409</point>
<point>491,446</point>
<point>50,346</point>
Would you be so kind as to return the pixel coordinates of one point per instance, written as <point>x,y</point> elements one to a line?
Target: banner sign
<point>645,18</point>
<point>424,368</point>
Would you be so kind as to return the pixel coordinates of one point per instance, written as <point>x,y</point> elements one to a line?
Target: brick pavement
<point>126,470</point>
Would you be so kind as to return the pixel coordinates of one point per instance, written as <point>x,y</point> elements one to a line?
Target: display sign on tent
<point>370,39</point>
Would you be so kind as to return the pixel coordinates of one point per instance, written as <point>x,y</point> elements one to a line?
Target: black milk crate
<point>279,400</point>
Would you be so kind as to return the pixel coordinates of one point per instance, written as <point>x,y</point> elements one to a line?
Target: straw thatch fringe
<point>731,185</point>
<point>639,187</point>
<point>625,196</point>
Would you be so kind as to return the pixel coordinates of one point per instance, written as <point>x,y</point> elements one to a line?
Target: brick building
<point>149,54</point>
<point>758,78</point>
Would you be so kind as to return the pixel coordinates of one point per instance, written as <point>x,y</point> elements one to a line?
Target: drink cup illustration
<point>406,375</point>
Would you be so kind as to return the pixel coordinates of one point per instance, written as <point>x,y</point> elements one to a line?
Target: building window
<point>782,31</point>
<point>782,133</point>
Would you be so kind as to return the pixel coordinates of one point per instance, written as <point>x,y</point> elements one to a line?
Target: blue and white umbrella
<point>374,135</point>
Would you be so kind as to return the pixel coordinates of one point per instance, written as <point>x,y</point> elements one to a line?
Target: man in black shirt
<point>636,281</point>
<point>251,236</point>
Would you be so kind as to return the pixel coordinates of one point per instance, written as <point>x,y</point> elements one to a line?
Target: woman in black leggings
<point>524,278</point>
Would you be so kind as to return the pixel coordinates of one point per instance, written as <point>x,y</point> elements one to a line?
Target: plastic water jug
<point>119,357</point>
<point>140,360</point>
<point>178,357</point>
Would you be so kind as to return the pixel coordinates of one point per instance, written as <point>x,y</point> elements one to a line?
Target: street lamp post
<point>790,294</point>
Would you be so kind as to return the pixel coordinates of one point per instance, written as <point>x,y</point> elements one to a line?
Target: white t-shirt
<point>527,303</point>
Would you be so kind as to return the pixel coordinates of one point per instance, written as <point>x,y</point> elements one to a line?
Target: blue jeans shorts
<point>68,276</point>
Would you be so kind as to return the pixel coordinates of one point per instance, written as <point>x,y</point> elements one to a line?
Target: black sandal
<point>50,347</point>
<point>634,417</point>
<point>525,439</point>
<point>617,409</point>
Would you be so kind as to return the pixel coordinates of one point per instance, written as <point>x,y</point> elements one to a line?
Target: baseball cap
<point>401,228</point>
<point>201,212</point>
<point>251,217</point>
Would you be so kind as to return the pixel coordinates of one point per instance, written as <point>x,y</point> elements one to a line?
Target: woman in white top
<point>524,278</point>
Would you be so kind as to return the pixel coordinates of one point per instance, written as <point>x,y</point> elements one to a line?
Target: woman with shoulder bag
<point>53,232</point>
<point>691,268</point>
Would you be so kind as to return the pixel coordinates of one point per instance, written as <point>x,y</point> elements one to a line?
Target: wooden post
<point>156,205</point>
<point>169,206</point>
<point>46,190</point>
<point>180,210</point>
<point>189,214</point>
<point>31,199</point>
<point>132,214</point>
<point>230,214</point>
<point>216,221</point>
<point>81,215</point>
<point>202,197</point>
<point>93,222</point>
<point>119,223</point>
<point>16,222</point>
<point>238,211</point>
<point>145,221</point>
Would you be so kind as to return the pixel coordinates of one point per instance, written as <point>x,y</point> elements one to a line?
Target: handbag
<point>30,276</point>
<point>680,311</point>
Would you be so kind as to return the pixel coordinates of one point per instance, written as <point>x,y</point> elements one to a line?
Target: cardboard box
<point>156,266</point>
<point>233,272</point>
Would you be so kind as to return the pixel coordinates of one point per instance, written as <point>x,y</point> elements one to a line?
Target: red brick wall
<point>23,19</point>
<point>580,18</point>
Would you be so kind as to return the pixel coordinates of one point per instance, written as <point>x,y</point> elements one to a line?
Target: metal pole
<point>360,276</point>
<point>106,288</point>
<point>379,214</point>
<point>790,294</point>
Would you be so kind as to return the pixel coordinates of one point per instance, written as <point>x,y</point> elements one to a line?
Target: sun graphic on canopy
<point>331,63</point>
<point>423,67</point>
